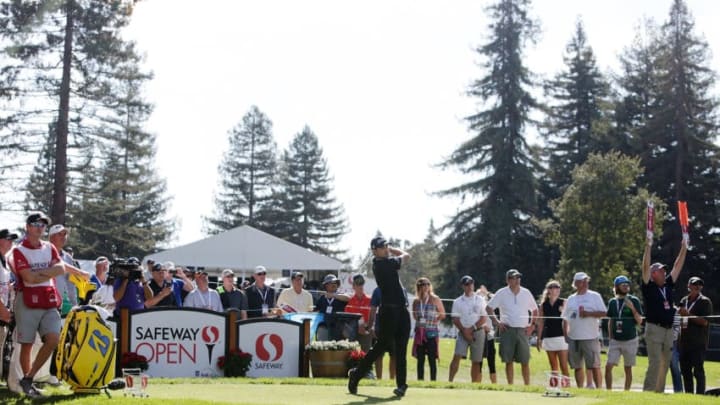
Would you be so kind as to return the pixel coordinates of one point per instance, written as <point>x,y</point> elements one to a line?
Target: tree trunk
<point>60,185</point>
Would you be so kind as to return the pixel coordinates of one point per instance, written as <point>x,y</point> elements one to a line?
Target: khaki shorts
<point>30,321</point>
<point>587,350</point>
<point>476,347</point>
<point>514,346</point>
<point>625,348</point>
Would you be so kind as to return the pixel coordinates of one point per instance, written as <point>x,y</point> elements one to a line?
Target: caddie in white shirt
<point>518,311</point>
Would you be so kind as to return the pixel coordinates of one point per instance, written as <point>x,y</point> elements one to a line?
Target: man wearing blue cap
<point>625,315</point>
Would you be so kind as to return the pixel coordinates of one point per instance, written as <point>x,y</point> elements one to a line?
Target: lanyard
<point>423,307</point>
<point>662,292</point>
<point>330,301</point>
<point>693,304</point>
<point>620,307</point>
<point>263,296</point>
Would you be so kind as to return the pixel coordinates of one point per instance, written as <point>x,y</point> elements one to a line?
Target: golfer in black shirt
<point>394,317</point>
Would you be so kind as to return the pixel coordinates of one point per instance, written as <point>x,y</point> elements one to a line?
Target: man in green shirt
<point>625,313</point>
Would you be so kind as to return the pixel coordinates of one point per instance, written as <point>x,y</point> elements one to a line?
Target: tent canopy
<point>244,248</point>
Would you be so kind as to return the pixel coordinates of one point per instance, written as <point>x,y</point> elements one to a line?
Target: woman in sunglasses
<point>550,334</point>
<point>428,311</point>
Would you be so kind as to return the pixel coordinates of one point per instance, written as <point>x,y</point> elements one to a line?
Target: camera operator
<point>131,291</point>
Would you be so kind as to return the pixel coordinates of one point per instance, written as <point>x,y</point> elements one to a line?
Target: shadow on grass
<point>369,399</point>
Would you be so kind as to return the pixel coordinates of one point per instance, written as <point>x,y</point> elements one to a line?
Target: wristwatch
<point>474,327</point>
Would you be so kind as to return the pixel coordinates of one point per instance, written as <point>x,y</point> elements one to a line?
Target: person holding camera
<point>162,289</point>
<point>131,291</point>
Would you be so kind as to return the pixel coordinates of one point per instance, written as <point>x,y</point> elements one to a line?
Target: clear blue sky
<point>382,84</point>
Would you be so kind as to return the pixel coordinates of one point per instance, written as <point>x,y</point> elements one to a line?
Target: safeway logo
<point>269,347</point>
<point>210,335</point>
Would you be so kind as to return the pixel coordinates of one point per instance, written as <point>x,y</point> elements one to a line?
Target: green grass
<point>322,391</point>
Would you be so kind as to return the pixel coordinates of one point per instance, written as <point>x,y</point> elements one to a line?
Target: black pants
<point>430,349</point>
<point>489,354</point>
<point>691,365</point>
<point>394,330</point>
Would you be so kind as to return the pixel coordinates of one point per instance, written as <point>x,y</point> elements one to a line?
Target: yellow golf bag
<point>85,356</point>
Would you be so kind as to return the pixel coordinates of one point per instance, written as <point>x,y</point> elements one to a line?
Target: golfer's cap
<point>228,273</point>
<point>378,242</point>
<point>579,276</point>
<point>260,269</point>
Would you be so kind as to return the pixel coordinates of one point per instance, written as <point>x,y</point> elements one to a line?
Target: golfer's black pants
<point>394,322</point>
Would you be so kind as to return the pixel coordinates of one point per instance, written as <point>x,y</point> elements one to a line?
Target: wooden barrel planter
<point>329,363</point>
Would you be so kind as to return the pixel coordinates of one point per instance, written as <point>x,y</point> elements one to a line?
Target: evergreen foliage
<point>248,174</point>
<point>317,220</point>
<point>493,232</point>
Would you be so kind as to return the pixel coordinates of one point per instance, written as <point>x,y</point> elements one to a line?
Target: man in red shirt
<point>35,264</point>
<point>360,304</point>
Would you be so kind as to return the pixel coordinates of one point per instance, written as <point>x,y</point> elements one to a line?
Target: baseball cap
<point>296,274</point>
<point>620,280</point>
<point>512,273</point>
<point>579,276</point>
<point>696,281</point>
<point>656,266</point>
<point>100,260</point>
<point>38,217</point>
<point>378,242</point>
<point>5,234</point>
<point>465,280</point>
<point>57,228</point>
<point>169,266</point>
<point>157,267</point>
<point>260,269</point>
<point>330,278</point>
<point>228,273</point>
<point>358,279</point>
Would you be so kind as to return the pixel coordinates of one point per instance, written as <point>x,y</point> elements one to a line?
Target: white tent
<point>242,249</point>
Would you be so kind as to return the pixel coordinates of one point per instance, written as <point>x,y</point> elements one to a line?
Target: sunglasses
<point>422,284</point>
<point>156,270</point>
<point>554,286</point>
<point>260,274</point>
<point>38,224</point>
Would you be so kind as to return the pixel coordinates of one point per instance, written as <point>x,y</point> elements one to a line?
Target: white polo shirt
<point>468,310</point>
<point>515,309</point>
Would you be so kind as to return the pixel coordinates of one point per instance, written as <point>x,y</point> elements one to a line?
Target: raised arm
<point>679,261</point>
<point>646,260</point>
<point>405,256</point>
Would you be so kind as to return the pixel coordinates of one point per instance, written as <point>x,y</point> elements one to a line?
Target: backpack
<point>86,354</point>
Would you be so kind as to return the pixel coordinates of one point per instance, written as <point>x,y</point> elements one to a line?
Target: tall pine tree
<point>682,160</point>
<point>248,174</point>
<point>493,232</point>
<point>122,202</point>
<point>318,220</point>
<point>576,124</point>
<point>58,53</point>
